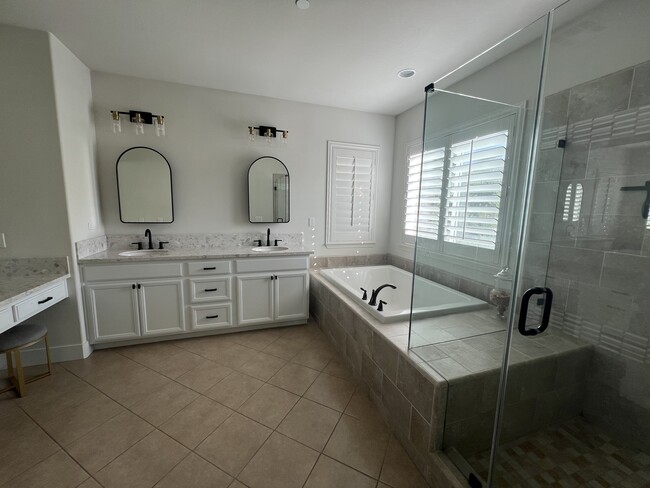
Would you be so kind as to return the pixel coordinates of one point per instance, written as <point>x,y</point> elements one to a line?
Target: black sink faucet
<point>268,237</point>
<point>375,293</point>
<point>147,233</point>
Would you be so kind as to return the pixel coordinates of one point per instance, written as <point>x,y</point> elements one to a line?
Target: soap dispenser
<point>500,294</point>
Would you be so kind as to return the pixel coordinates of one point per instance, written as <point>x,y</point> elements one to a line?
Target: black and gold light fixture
<point>268,132</point>
<point>139,118</point>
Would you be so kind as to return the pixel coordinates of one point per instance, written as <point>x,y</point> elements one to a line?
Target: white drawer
<point>252,265</point>
<point>133,271</point>
<point>211,317</point>
<point>210,289</point>
<point>40,301</point>
<point>6,319</point>
<point>197,268</point>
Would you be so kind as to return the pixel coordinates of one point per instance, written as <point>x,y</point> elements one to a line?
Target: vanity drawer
<point>41,301</point>
<point>197,268</point>
<point>133,271</point>
<point>211,317</point>
<point>6,319</point>
<point>210,289</point>
<point>256,265</point>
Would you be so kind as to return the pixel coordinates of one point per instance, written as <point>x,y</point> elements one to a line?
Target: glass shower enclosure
<point>532,185</point>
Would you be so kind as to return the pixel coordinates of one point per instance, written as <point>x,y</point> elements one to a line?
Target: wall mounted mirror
<point>268,191</point>
<point>144,187</point>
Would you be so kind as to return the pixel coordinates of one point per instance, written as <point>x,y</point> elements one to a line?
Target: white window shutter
<point>351,194</point>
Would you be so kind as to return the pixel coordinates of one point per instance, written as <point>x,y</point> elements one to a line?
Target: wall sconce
<point>269,133</point>
<point>139,118</point>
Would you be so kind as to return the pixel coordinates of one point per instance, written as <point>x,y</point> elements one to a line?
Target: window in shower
<point>458,187</point>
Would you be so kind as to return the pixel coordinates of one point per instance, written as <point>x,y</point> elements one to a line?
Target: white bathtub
<point>431,299</point>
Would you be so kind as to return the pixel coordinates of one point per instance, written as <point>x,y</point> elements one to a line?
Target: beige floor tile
<point>331,391</point>
<point>7,404</point>
<point>165,402</point>
<point>359,445</point>
<point>177,362</point>
<point>130,388</point>
<point>204,376</point>
<point>144,464</point>
<point>303,334</point>
<point>234,356</point>
<point>77,421</point>
<point>329,473</point>
<point>100,446</point>
<point>284,348</point>
<point>194,472</point>
<point>262,366</point>
<point>237,484</point>
<point>310,423</point>
<point>314,357</point>
<point>269,405</point>
<point>207,347</point>
<point>234,443</point>
<point>234,389</point>
<point>258,339</point>
<point>295,378</point>
<point>22,445</point>
<point>90,483</point>
<point>196,421</point>
<point>98,362</point>
<point>336,367</point>
<point>363,408</point>
<point>281,463</point>
<point>57,471</point>
<point>398,470</point>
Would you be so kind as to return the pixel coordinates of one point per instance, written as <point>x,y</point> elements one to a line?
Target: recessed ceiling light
<point>406,73</point>
<point>302,4</point>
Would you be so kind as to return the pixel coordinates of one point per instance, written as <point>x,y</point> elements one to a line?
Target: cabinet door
<point>161,304</point>
<point>112,311</point>
<point>255,303</point>
<point>292,295</point>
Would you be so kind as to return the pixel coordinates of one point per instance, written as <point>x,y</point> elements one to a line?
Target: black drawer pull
<point>211,316</point>
<point>210,269</point>
<point>210,289</point>
<point>41,302</point>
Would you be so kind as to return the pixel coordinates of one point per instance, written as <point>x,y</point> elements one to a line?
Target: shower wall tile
<point>626,273</point>
<point>641,86</point>
<point>555,109</point>
<point>549,164</point>
<point>574,165</point>
<point>619,158</point>
<point>545,197</point>
<point>599,305</point>
<point>575,264</point>
<point>600,97</point>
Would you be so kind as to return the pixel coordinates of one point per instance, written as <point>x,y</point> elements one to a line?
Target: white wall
<point>208,149</point>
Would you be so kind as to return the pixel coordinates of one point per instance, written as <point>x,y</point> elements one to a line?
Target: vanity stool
<point>11,343</point>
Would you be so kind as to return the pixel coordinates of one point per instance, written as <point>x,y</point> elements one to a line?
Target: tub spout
<point>375,293</point>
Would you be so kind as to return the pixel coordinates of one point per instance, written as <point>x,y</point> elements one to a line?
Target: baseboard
<point>70,352</point>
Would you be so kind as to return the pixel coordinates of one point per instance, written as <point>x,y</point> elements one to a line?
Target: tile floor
<point>574,454</point>
<point>271,408</point>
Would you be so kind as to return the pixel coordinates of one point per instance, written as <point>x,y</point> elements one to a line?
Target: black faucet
<point>268,237</point>
<point>373,297</point>
<point>147,233</point>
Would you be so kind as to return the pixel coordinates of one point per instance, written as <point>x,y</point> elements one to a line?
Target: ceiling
<point>340,53</point>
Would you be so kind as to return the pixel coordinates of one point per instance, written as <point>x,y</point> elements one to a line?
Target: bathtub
<point>431,299</point>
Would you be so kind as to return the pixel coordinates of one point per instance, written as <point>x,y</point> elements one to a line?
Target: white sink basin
<point>269,248</point>
<point>143,252</point>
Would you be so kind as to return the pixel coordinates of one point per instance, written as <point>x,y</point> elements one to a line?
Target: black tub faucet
<point>147,233</point>
<point>375,293</point>
<point>268,237</point>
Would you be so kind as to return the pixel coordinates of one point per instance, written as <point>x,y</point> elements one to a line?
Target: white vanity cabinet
<point>210,293</point>
<point>131,301</point>
<point>280,293</point>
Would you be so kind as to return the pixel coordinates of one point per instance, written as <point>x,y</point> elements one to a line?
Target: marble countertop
<point>113,256</point>
<point>15,288</point>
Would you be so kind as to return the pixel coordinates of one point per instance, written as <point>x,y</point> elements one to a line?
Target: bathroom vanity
<point>184,293</point>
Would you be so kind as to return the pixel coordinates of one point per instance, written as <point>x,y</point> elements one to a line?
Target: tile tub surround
<point>432,407</point>
<point>599,265</point>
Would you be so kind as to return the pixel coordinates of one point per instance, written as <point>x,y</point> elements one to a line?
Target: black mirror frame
<point>171,185</point>
<point>248,183</point>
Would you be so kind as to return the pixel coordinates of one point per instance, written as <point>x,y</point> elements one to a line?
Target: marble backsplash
<point>23,267</point>
<point>88,247</point>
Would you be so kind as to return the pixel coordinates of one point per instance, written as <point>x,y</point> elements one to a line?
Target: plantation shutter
<point>352,176</point>
<point>476,168</point>
<point>423,191</point>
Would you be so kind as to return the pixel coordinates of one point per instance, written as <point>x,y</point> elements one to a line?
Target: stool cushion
<point>22,334</point>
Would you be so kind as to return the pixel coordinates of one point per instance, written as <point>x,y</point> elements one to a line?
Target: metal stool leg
<point>20,376</point>
<point>47,351</point>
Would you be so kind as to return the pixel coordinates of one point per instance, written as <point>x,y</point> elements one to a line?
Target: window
<point>458,187</point>
<point>351,194</point>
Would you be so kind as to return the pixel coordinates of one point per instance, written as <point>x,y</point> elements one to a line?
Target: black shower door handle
<point>546,315</point>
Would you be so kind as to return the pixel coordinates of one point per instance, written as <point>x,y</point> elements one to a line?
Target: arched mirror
<point>144,187</point>
<point>268,191</point>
